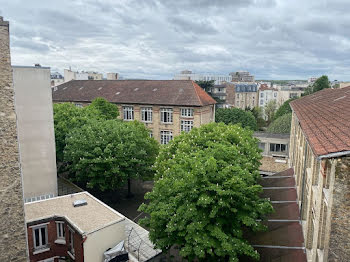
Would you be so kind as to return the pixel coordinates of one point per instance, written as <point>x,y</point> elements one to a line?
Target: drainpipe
<point>82,245</point>
<point>303,182</point>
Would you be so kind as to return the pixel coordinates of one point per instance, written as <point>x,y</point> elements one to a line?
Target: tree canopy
<point>284,108</point>
<point>207,85</point>
<point>236,116</point>
<point>270,110</point>
<point>68,117</point>
<point>206,193</point>
<point>321,83</point>
<point>281,124</point>
<point>103,154</point>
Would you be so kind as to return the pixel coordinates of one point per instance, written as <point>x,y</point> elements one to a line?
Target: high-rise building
<point>241,76</point>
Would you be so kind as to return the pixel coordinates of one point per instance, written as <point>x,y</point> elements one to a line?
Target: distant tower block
<point>112,76</point>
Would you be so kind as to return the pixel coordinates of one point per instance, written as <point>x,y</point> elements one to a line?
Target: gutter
<point>334,155</point>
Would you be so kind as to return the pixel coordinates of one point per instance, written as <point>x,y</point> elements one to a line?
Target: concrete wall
<point>35,131</point>
<point>13,246</point>
<point>98,242</point>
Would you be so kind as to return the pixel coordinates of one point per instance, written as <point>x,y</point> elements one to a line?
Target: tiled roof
<point>325,119</point>
<point>150,92</point>
<point>265,87</point>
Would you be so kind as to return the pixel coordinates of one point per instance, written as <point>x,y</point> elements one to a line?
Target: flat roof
<point>271,135</point>
<point>86,218</point>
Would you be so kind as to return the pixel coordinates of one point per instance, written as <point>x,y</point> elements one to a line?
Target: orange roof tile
<point>325,119</point>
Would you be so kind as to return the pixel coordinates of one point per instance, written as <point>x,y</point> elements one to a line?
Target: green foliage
<point>106,109</point>
<point>284,108</point>
<point>103,154</point>
<point>67,117</point>
<point>321,83</point>
<point>206,193</point>
<point>206,85</point>
<point>270,110</point>
<point>281,124</point>
<point>258,114</point>
<point>236,116</point>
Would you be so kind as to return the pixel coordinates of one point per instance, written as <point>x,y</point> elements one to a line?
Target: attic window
<point>155,89</point>
<point>80,202</point>
<point>55,88</point>
<point>64,88</point>
<point>99,88</point>
<point>136,89</point>
<point>117,93</point>
<point>81,88</point>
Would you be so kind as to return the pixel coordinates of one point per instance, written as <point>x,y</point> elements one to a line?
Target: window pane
<point>43,236</point>
<point>37,241</point>
<point>272,147</point>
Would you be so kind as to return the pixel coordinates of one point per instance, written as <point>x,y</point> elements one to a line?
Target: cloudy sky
<point>273,39</point>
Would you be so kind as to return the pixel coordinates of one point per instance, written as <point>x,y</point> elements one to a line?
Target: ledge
<point>71,255</point>
<point>38,251</point>
<point>60,241</point>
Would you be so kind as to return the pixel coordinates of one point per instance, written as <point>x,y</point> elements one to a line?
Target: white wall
<point>33,100</point>
<point>98,242</point>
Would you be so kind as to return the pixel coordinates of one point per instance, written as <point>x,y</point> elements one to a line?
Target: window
<point>128,112</point>
<point>186,125</point>
<point>278,147</point>
<point>274,94</point>
<point>78,105</point>
<point>150,133</point>
<point>60,230</point>
<point>71,241</point>
<point>146,114</point>
<point>40,237</point>
<point>237,95</point>
<point>262,146</point>
<point>186,112</point>
<point>261,102</point>
<point>261,94</point>
<point>166,115</point>
<point>165,137</point>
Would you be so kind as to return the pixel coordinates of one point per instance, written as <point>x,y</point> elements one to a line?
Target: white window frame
<point>146,111</point>
<point>71,250</point>
<point>61,233</point>
<point>165,136</point>
<point>41,245</point>
<point>128,113</point>
<point>187,112</point>
<point>166,115</point>
<point>78,105</point>
<point>186,125</point>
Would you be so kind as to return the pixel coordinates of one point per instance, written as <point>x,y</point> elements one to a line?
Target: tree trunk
<point>130,195</point>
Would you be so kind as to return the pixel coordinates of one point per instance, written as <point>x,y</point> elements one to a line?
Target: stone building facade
<point>246,96</point>
<point>320,156</point>
<point>166,107</point>
<point>12,228</point>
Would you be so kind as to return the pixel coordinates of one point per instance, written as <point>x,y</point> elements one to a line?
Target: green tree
<point>258,114</point>
<point>105,108</point>
<point>284,108</point>
<point>281,124</point>
<point>236,116</point>
<point>206,193</point>
<point>206,85</point>
<point>321,83</point>
<point>270,110</point>
<point>104,154</point>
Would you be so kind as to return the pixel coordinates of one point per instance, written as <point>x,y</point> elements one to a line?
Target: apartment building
<point>224,95</point>
<point>189,75</point>
<point>56,79</point>
<point>242,76</point>
<point>81,228</point>
<point>35,131</point>
<point>320,156</point>
<point>166,107</point>
<point>246,95</point>
<point>275,145</point>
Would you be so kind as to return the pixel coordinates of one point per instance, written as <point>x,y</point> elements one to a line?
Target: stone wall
<point>12,228</point>
<point>339,242</point>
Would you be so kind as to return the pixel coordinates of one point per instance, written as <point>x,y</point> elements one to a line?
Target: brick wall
<point>56,250</point>
<point>12,226</point>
